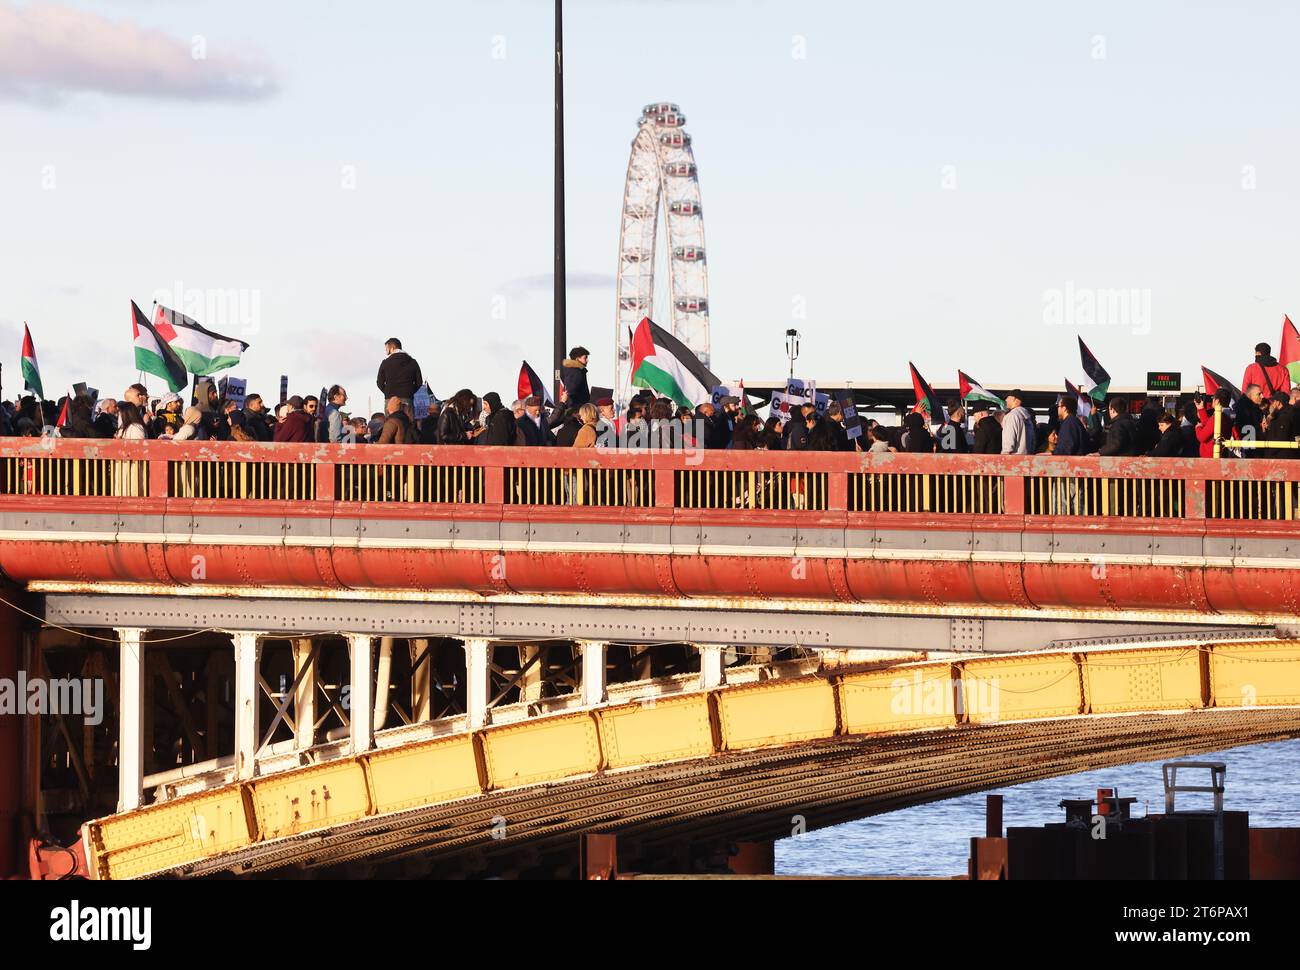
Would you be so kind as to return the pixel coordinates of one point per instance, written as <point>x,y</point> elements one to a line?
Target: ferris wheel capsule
<point>660,108</point>
<point>675,139</point>
<point>670,120</point>
<point>692,304</point>
<point>680,169</point>
<point>684,207</point>
<point>689,254</point>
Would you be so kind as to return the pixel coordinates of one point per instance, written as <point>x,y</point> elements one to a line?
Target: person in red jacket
<point>1267,373</point>
<point>297,424</point>
<point>1205,422</point>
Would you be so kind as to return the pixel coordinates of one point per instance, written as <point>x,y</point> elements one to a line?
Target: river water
<point>934,839</point>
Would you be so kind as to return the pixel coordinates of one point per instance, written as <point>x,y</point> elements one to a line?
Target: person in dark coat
<point>297,424</point>
<point>717,432</point>
<point>916,436</point>
<point>1249,419</point>
<point>1071,436</point>
<point>501,428</point>
<point>454,423</point>
<point>1187,430</point>
<point>770,439</point>
<point>567,433</point>
<point>795,433</point>
<point>1170,444</point>
<point>573,375</point>
<point>533,424</point>
<point>952,436</point>
<point>1148,425</point>
<point>1284,423</point>
<point>1121,436</point>
<point>257,419</point>
<point>988,431</point>
<point>399,374</point>
<point>748,433</point>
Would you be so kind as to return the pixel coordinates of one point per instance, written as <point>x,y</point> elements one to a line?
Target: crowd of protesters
<point>1267,409</point>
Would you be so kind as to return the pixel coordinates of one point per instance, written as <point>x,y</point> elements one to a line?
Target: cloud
<point>49,51</point>
<point>525,286</point>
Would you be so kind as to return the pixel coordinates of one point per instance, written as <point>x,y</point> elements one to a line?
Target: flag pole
<point>559,279</point>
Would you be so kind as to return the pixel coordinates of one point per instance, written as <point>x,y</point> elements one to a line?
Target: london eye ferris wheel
<point>661,174</point>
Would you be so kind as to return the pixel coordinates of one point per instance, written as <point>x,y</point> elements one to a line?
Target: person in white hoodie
<point>1017,427</point>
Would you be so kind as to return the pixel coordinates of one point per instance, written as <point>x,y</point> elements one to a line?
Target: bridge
<point>458,659</point>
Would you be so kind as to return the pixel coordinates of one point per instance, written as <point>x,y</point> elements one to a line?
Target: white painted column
<point>361,701</point>
<point>593,672</point>
<point>711,671</point>
<point>130,725</point>
<point>477,683</point>
<point>304,697</point>
<point>248,656</point>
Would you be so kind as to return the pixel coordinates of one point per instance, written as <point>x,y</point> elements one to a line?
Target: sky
<point>963,186</point>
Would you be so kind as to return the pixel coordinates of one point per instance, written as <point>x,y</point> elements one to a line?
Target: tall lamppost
<point>558,284</point>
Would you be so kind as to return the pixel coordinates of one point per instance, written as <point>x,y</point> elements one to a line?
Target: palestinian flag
<point>531,385</point>
<point>31,371</point>
<point>925,397</point>
<point>201,351</point>
<point>1098,381</point>
<point>664,364</point>
<point>1289,355</point>
<point>62,421</point>
<point>1215,381</point>
<point>1085,402</point>
<point>153,354</point>
<point>972,391</point>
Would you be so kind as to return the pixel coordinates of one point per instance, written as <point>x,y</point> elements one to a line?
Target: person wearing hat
<point>168,419</point>
<point>606,430</point>
<point>533,424</point>
<point>297,423</point>
<point>986,421</point>
<point>573,375</point>
<point>1017,426</point>
<point>1271,376</point>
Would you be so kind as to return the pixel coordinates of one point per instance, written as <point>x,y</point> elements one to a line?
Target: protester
<point>1249,417</point>
<point>397,429</point>
<point>533,424</point>
<point>1170,442</point>
<point>297,423</point>
<point>130,422</point>
<point>333,423</point>
<point>399,374</point>
<point>588,416</point>
<point>1267,372</point>
<point>1121,436</point>
<point>501,428</point>
<point>573,376</point>
<point>258,421</point>
<point>1017,426</point>
<point>1071,435</point>
<point>190,426</point>
<point>454,425</point>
